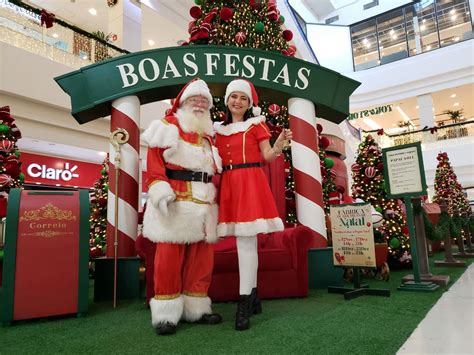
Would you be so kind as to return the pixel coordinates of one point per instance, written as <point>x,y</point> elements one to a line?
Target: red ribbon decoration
<point>47,18</point>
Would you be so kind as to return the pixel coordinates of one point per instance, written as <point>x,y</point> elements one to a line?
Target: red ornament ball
<point>324,142</point>
<point>287,35</point>
<point>370,172</point>
<point>341,189</point>
<point>195,12</point>
<point>255,4</point>
<point>5,180</point>
<point>274,110</point>
<point>226,14</point>
<point>240,37</point>
<point>355,167</point>
<point>6,146</point>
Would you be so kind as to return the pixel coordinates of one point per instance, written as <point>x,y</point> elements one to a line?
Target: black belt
<point>188,175</point>
<point>240,166</point>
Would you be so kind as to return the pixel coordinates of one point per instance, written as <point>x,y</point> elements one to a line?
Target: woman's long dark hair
<point>228,115</point>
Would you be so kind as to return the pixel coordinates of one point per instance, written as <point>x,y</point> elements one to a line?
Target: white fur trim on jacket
<point>166,310</point>
<point>237,127</point>
<point>159,190</point>
<point>195,307</point>
<point>191,157</point>
<point>187,222</point>
<point>161,134</point>
<point>248,229</point>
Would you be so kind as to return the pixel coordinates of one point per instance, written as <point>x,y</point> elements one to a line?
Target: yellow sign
<point>352,235</point>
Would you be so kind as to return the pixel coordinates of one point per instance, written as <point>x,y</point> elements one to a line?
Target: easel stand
<point>417,284</point>
<point>358,290</point>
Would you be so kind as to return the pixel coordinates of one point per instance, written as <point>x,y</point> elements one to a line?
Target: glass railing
<point>462,132</point>
<point>20,26</point>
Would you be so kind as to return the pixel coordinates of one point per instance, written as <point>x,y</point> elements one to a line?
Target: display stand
<point>425,274</point>
<point>462,252</point>
<point>405,176</point>
<point>358,290</point>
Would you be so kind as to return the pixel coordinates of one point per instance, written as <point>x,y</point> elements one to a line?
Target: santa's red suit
<point>184,255</point>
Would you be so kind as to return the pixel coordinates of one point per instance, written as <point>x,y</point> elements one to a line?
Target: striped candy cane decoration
<point>125,114</point>
<point>306,166</point>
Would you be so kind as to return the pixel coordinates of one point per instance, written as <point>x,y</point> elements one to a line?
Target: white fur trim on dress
<point>161,134</point>
<point>237,127</point>
<point>158,191</point>
<point>187,222</point>
<point>248,229</point>
<point>191,157</point>
<point>166,310</point>
<point>195,307</point>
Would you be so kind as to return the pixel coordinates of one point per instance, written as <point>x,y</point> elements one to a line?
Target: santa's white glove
<point>160,195</point>
<point>163,204</point>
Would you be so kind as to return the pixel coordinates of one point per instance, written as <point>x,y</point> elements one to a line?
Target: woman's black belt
<point>188,175</point>
<point>240,166</point>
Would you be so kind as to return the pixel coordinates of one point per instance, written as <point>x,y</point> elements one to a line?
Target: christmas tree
<point>448,188</point>
<point>98,218</point>
<point>10,165</point>
<point>369,185</point>
<point>253,24</point>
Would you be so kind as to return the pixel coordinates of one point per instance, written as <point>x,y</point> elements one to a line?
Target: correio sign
<point>159,74</point>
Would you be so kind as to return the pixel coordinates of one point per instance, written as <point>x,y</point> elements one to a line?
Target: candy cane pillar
<point>125,114</point>
<point>306,166</point>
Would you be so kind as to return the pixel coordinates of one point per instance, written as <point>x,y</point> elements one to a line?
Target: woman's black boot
<point>242,321</point>
<point>256,304</point>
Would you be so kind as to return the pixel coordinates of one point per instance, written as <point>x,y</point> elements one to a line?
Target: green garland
<point>67,25</point>
<point>456,226</point>
<point>431,232</point>
<point>443,225</point>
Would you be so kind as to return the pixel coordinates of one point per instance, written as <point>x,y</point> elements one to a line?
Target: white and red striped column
<point>306,166</point>
<point>125,114</point>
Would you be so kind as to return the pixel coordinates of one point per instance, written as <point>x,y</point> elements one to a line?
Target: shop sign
<point>375,111</point>
<point>352,235</point>
<point>20,10</point>
<point>53,170</point>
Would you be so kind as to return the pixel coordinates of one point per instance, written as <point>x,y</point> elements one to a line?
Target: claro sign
<point>53,171</point>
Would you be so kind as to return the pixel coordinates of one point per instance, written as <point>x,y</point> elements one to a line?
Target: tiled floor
<point>448,328</point>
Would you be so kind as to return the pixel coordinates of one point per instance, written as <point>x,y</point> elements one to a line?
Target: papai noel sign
<point>160,74</point>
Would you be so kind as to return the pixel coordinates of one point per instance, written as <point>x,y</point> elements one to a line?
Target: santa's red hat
<point>248,89</point>
<point>195,87</point>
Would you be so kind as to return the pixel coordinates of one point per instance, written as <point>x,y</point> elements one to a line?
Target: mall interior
<point>413,58</point>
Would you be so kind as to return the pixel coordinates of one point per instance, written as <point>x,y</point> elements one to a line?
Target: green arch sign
<point>159,74</point>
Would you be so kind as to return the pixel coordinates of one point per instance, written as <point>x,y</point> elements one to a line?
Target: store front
<point>48,172</point>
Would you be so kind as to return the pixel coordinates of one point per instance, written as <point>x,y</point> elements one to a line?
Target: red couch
<point>282,266</point>
<point>282,271</point>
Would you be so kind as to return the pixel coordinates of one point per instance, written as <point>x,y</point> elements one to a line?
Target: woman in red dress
<point>246,205</point>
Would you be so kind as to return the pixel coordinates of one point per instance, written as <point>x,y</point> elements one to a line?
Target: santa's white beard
<point>193,121</point>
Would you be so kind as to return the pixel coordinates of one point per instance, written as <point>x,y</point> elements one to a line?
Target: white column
<point>425,110</point>
<point>125,22</point>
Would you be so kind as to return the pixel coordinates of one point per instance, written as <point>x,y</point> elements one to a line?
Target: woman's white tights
<point>248,263</point>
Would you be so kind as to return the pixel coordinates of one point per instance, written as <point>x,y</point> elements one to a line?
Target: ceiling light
<point>392,31</point>
<point>371,123</point>
<point>428,47</point>
<point>456,104</point>
<point>93,11</point>
<point>452,12</point>
<point>151,42</point>
<point>423,27</point>
<point>58,184</point>
<point>394,37</point>
<point>456,39</point>
<point>365,40</point>
<point>368,45</point>
<point>38,183</point>
<point>424,20</point>
<point>452,96</point>
<point>84,57</point>
<point>381,47</point>
<point>417,107</point>
<point>102,153</point>
<point>55,35</point>
<point>453,18</point>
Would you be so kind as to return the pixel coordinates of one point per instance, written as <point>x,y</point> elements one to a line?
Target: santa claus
<point>181,214</point>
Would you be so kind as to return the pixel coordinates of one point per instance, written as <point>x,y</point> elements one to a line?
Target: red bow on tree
<point>47,18</point>
<point>380,132</point>
<point>274,130</point>
<point>433,130</point>
<point>202,30</point>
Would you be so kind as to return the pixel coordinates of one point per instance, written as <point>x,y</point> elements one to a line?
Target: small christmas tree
<point>369,185</point>
<point>448,188</point>
<point>98,218</point>
<point>10,165</point>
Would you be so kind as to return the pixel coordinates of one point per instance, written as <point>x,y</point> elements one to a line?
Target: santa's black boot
<point>165,328</point>
<point>242,321</point>
<point>256,304</point>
